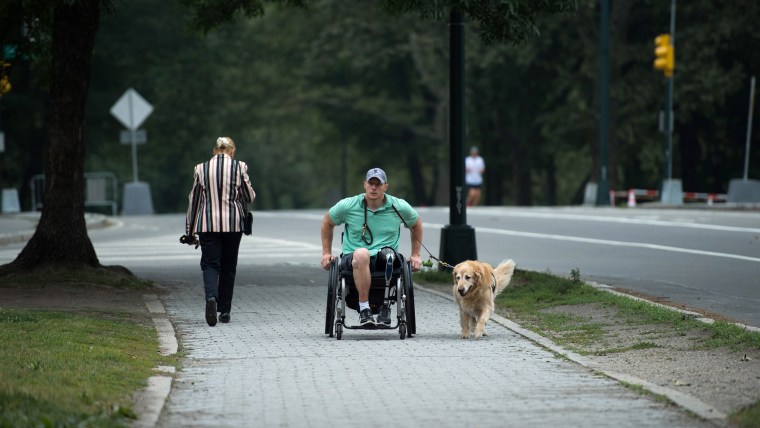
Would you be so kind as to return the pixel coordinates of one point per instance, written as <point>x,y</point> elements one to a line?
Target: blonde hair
<point>224,145</point>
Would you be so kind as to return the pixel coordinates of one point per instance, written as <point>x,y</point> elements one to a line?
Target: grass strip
<point>531,294</point>
<point>63,369</point>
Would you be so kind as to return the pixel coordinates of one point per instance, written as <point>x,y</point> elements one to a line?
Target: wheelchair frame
<point>399,290</point>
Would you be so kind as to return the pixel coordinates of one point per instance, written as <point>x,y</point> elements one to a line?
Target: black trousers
<point>219,255</point>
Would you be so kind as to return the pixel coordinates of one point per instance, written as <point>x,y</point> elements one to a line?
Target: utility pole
<point>457,238</point>
<point>671,192</point>
<point>603,190</point>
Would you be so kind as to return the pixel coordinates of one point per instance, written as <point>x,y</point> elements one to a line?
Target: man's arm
<point>416,234</point>
<point>327,229</point>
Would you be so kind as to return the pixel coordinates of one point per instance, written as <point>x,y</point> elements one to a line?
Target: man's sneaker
<point>365,317</point>
<point>384,317</point>
<point>211,311</point>
<point>224,317</point>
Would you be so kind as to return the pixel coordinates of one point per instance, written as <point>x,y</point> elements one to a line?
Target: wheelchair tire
<point>339,331</point>
<point>402,331</point>
<point>332,285</point>
<point>411,320</point>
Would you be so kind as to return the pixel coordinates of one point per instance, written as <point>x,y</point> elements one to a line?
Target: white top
<point>473,170</point>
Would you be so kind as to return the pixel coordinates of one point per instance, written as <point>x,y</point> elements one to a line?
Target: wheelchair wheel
<point>332,284</point>
<point>339,331</point>
<point>411,320</point>
<point>402,331</point>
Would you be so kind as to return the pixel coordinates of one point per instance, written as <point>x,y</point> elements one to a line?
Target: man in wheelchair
<point>372,221</point>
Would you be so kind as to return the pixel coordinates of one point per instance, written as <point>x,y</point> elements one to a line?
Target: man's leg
<point>362,276</point>
<point>362,281</point>
<point>475,197</point>
<point>228,269</point>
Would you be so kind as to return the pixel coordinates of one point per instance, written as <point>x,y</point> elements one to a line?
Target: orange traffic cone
<point>631,199</point>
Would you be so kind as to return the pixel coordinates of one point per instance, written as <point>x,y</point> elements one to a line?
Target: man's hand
<point>415,262</point>
<point>327,258</point>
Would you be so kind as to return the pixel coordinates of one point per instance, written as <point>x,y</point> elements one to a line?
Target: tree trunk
<point>415,169</point>
<point>521,176</point>
<point>551,181</point>
<point>690,154</point>
<point>61,237</point>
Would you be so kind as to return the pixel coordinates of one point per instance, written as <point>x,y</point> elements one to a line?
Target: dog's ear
<point>477,272</point>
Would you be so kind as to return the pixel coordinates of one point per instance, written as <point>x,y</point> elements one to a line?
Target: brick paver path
<point>272,366</point>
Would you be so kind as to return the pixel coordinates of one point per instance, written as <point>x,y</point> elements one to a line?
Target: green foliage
<point>211,14</point>
<point>498,20</point>
<point>94,362</point>
<point>316,92</point>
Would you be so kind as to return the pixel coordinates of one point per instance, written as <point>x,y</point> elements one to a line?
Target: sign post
<point>132,110</point>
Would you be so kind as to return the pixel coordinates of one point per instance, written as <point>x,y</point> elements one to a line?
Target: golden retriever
<point>476,285</point>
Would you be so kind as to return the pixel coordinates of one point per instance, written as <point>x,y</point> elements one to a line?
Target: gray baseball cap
<point>376,173</point>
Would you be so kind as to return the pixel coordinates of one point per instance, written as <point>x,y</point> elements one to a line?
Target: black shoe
<point>384,317</point>
<point>211,311</point>
<point>224,317</point>
<point>365,317</point>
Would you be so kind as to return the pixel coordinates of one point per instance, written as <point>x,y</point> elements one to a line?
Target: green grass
<point>748,417</point>
<point>61,369</point>
<point>434,276</point>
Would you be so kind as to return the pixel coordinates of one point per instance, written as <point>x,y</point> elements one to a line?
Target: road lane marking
<point>607,242</point>
<point>625,220</point>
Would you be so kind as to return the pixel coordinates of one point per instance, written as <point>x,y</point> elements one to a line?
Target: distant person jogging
<point>474,167</point>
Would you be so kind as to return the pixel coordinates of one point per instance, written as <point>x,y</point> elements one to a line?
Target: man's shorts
<point>347,259</point>
<point>376,262</point>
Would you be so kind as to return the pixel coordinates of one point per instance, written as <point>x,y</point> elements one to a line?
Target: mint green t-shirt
<point>384,223</point>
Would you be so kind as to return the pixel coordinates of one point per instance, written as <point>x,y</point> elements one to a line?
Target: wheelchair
<point>390,286</point>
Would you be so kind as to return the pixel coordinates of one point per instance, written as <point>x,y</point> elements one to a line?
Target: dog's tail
<point>503,273</point>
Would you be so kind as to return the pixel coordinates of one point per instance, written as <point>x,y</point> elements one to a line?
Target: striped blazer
<point>220,188</point>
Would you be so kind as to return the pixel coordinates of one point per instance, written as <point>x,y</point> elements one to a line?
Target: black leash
<point>431,256</point>
<point>365,227</point>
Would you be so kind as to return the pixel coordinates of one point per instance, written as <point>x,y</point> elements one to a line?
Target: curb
<point>688,402</point>
<point>92,221</point>
<point>150,400</point>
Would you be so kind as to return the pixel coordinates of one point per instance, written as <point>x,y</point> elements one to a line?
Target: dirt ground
<point>83,299</point>
<point>727,379</point>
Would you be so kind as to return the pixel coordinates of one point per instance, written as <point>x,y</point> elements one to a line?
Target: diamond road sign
<point>131,109</point>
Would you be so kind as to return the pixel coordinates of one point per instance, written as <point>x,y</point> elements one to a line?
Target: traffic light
<point>664,54</point>
<point>5,83</point>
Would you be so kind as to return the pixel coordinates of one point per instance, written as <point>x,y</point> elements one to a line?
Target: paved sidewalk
<point>272,366</point>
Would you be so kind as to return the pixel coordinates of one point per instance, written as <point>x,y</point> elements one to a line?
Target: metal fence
<point>100,189</point>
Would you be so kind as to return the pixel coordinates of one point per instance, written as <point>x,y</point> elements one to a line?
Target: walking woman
<point>218,204</point>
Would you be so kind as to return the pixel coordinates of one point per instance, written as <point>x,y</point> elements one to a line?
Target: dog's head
<point>468,275</point>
